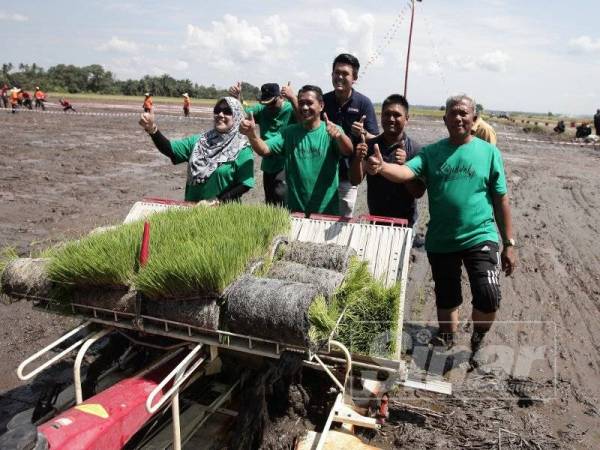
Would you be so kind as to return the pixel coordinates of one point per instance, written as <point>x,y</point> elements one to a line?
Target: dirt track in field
<point>62,175</point>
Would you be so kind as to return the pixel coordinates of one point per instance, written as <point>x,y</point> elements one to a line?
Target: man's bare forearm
<point>396,173</point>
<point>503,216</point>
<point>259,146</point>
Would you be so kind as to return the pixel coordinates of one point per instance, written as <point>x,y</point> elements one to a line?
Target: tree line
<point>95,79</point>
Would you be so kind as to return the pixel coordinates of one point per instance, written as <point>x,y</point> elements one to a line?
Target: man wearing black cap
<point>272,113</point>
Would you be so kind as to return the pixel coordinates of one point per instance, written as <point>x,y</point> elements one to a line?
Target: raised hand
<point>362,148</point>
<point>287,92</point>
<point>332,129</point>
<point>400,154</point>
<point>147,123</point>
<point>375,162</point>
<point>358,127</point>
<point>236,90</point>
<point>248,126</point>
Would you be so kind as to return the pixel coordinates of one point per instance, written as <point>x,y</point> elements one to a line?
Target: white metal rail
<point>26,376</point>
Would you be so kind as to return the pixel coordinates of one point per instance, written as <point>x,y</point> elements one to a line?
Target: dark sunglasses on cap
<point>222,109</point>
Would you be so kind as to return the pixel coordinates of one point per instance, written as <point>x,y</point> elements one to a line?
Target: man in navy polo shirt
<point>352,111</point>
<point>384,197</point>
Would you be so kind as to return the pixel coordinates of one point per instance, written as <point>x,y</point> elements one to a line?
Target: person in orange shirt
<point>148,103</point>
<point>14,99</point>
<point>186,104</point>
<point>40,98</point>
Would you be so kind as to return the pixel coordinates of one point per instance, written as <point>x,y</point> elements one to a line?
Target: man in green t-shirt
<point>311,152</point>
<point>272,112</point>
<point>467,193</point>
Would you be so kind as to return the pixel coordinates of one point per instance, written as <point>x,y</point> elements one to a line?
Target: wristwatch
<point>509,243</point>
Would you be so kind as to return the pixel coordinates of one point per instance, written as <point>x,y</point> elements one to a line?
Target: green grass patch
<point>370,313</point>
<point>193,251</point>
<point>7,254</point>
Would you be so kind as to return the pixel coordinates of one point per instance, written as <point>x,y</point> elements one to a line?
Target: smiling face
<point>393,119</point>
<point>223,116</point>
<point>342,78</point>
<point>310,106</point>
<point>459,119</point>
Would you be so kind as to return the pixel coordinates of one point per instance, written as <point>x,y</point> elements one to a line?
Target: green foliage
<point>479,108</point>
<point>193,251</point>
<point>369,313</point>
<point>95,79</point>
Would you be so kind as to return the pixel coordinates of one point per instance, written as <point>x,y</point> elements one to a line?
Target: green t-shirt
<point>311,168</point>
<point>239,171</point>
<point>460,184</point>
<point>270,124</point>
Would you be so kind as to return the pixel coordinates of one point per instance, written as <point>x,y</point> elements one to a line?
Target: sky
<point>510,55</point>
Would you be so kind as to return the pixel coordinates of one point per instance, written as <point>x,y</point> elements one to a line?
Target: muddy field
<point>63,174</point>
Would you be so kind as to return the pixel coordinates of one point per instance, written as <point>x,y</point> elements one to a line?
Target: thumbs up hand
<point>287,91</point>
<point>248,126</point>
<point>375,162</point>
<point>148,123</point>
<point>358,127</point>
<point>332,129</point>
<point>362,148</point>
<point>236,90</point>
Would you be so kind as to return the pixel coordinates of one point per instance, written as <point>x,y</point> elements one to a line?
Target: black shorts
<point>483,268</point>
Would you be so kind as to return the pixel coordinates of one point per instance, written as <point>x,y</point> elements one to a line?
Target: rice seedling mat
<point>386,250</point>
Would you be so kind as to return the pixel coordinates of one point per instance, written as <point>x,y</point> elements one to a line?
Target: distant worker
<point>484,130</point>
<point>272,113</point>
<point>27,102</point>
<point>14,99</point>
<point>147,102</point>
<point>40,98</point>
<point>597,122</point>
<point>186,105</point>
<point>4,95</point>
<point>66,105</point>
<point>560,127</point>
<point>583,130</point>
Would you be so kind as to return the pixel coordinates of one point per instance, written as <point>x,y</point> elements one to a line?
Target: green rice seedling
<point>7,254</point>
<point>364,311</point>
<point>102,259</point>
<point>193,251</point>
<point>323,318</point>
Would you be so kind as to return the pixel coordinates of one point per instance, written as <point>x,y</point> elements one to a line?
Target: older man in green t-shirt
<point>467,193</point>
<point>311,152</point>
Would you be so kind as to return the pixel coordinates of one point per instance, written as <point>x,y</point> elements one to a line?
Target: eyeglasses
<point>226,110</point>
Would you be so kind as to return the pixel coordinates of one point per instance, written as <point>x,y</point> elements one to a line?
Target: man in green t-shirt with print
<point>311,151</point>
<point>466,187</point>
<point>272,112</point>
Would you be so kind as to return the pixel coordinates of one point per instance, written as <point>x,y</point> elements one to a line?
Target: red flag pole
<point>412,19</point>
<point>145,250</point>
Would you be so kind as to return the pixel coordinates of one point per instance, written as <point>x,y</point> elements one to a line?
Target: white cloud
<point>495,61</point>
<point>354,34</point>
<point>119,45</point>
<point>233,41</point>
<point>181,65</point>
<point>13,17</point>
<point>584,44</point>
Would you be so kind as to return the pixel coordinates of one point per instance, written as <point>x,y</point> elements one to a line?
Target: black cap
<point>268,92</point>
